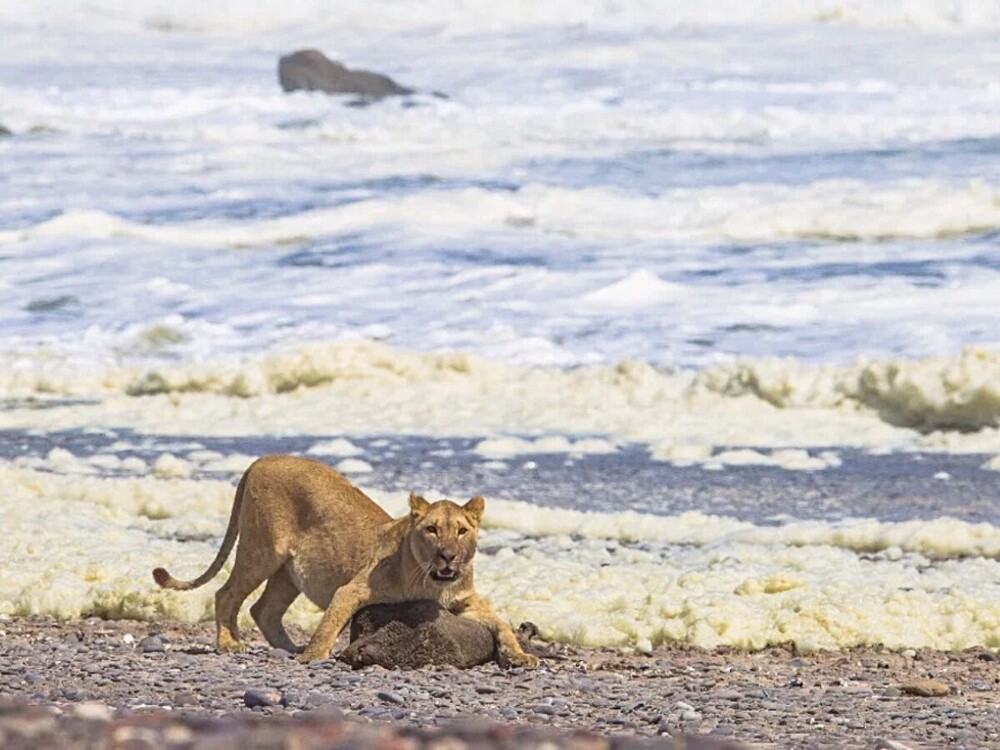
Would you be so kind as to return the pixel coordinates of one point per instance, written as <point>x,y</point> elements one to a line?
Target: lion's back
<point>304,496</point>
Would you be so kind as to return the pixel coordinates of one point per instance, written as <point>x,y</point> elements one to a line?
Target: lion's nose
<point>447,555</point>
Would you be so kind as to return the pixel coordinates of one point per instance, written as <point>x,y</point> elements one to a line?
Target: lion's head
<point>443,536</point>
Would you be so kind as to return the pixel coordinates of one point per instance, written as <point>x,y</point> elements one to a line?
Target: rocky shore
<point>136,684</point>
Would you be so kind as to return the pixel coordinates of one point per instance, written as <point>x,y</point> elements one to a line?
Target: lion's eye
<point>462,530</point>
<point>431,530</point>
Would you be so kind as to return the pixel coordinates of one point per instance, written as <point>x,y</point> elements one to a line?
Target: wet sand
<point>893,487</point>
<point>863,697</point>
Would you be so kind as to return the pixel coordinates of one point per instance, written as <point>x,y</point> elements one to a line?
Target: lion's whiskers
<point>414,579</point>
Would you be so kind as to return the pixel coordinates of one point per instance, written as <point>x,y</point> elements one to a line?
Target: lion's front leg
<point>348,599</point>
<point>476,608</point>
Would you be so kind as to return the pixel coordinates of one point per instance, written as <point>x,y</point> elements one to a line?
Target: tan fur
<point>304,528</point>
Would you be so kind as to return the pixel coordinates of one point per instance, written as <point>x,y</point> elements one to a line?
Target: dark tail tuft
<point>161,576</point>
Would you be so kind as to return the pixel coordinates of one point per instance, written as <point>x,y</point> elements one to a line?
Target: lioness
<point>304,528</point>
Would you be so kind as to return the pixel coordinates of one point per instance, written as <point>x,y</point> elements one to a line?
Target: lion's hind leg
<point>269,609</point>
<point>250,570</point>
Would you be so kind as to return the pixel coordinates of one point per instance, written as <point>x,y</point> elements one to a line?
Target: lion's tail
<point>167,581</point>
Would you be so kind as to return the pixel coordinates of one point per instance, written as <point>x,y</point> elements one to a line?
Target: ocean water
<point>751,237</point>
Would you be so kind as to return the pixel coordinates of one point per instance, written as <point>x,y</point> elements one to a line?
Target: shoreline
<point>737,571</point>
<point>891,487</point>
<point>858,697</point>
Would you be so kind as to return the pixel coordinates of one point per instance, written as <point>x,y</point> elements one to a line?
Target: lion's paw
<point>307,656</point>
<point>522,659</point>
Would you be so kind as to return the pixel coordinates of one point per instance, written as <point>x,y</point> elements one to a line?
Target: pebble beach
<point>120,671</point>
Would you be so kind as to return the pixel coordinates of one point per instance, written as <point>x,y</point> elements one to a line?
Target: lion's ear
<point>418,506</point>
<point>474,508</point>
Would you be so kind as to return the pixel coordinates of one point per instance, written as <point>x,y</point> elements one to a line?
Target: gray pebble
<point>666,725</point>
<point>260,697</point>
<point>152,644</point>
<point>727,695</point>
<point>387,697</point>
<point>326,711</point>
<point>316,698</point>
<point>545,709</point>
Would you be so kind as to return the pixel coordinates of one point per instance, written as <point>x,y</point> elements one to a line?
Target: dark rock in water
<point>415,634</point>
<point>311,70</point>
<point>5,131</point>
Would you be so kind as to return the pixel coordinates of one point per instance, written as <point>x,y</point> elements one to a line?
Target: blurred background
<point>570,183</point>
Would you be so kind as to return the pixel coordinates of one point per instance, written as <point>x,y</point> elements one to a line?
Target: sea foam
<point>84,545</point>
<point>942,403</point>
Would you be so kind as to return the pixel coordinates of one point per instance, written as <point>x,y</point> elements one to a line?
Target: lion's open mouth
<point>448,574</point>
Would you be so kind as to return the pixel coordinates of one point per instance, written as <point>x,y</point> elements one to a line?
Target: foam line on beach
<point>946,404</point>
<point>83,545</point>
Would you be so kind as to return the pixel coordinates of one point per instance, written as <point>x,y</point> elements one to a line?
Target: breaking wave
<point>832,210</point>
